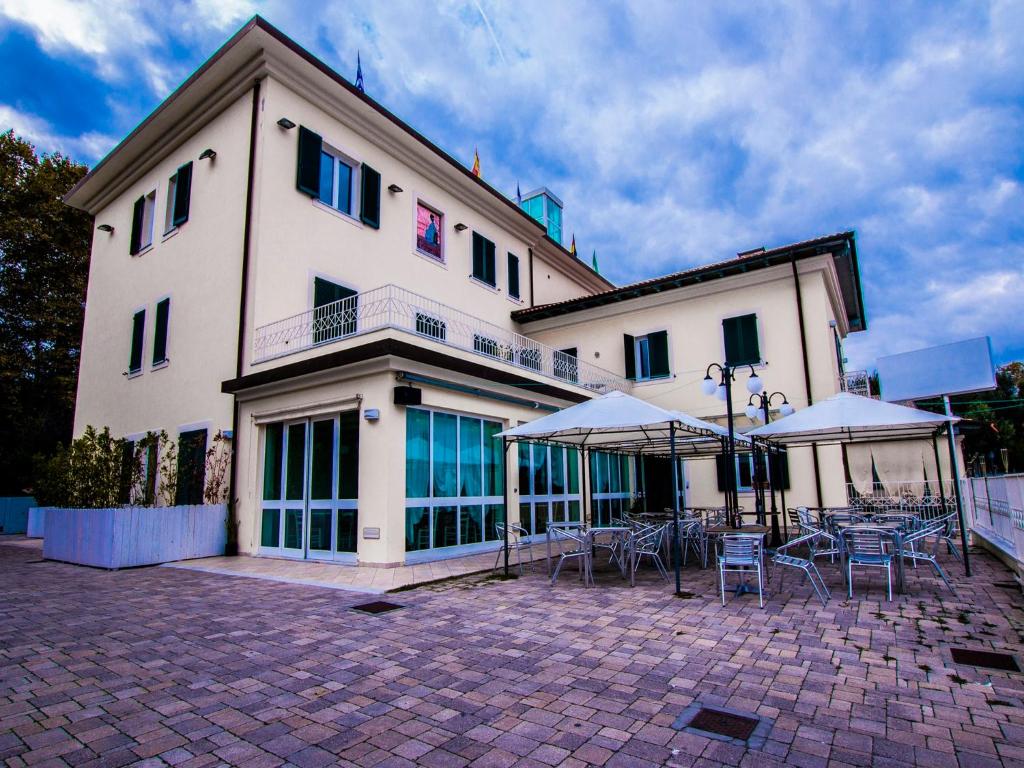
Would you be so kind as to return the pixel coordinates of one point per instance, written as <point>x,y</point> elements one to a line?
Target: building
<point>280,259</point>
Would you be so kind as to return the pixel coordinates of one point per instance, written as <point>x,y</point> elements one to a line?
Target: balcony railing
<point>857,383</point>
<point>392,307</point>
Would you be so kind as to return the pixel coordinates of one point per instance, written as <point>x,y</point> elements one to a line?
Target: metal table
<point>621,532</point>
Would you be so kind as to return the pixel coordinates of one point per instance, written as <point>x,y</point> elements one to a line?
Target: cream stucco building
<point>279,258</point>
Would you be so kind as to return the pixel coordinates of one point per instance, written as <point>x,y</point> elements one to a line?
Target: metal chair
<point>693,536</point>
<point>742,554</point>
<point>579,550</point>
<point>866,548</point>
<point>648,545</point>
<point>783,556</point>
<point>951,534</point>
<point>910,551</point>
<point>516,534</point>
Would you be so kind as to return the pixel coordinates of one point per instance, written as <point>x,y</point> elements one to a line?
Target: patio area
<point>180,667</point>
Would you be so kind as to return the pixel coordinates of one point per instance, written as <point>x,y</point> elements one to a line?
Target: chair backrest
<point>651,539</point>
<point>810,539</point>
<point>738,549</point>
<point>864,541</point>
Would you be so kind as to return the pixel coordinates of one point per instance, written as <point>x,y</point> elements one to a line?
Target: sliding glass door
<point>310,487</point>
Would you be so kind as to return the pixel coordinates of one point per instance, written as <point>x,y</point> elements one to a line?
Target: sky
<point>676,134</point>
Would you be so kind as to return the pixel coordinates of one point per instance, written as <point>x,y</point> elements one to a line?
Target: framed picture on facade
<point>429,231</point>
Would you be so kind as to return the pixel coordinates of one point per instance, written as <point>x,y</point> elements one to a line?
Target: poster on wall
<point>428,231</point>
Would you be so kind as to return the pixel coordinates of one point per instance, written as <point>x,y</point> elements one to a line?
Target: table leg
<point>632,560</point>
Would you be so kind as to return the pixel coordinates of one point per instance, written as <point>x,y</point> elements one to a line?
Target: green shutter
<point>513,276</point>
<point>780,471</point>
<point>658,346</point>
<point>163,311</point>
<point>741,346</point>
<point>629,352</point>
<point>308,171</point>
<point>489,263</point>
<point>191,467</point>
<point>138,336</point>
<point>478,256</point>
<point>369,199</point>
<point>135,243</point>
<point>721,472</point>
<point>325,292</point>
<point>182,194</point>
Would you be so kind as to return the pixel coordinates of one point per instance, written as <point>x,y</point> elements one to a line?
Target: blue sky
<point>676,134</point>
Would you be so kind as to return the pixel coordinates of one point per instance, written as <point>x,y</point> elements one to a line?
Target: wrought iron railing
<point>393,307</point>
<point>857,383</point>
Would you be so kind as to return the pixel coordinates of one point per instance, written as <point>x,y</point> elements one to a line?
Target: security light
<point>105,228</point>
<point>460,227</point>
<point>207,154</point>
<point>285,123</point>
<point>394,189</point>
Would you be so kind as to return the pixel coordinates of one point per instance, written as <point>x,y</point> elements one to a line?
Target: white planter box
<point>123,537</point>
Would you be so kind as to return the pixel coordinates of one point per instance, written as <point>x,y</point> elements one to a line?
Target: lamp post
<point>760,409</point>
<point>723,391</point>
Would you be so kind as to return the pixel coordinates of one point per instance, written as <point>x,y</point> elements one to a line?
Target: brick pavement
<point>162,666</point>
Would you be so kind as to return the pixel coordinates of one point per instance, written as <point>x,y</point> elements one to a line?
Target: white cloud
<point>38,131</point>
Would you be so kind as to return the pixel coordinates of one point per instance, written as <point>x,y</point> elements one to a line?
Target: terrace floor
<point>167,666</point>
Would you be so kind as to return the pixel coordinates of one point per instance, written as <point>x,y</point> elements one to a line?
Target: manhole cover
<point>724,723</point>
<point>990,659</point>
<point>378,606</point>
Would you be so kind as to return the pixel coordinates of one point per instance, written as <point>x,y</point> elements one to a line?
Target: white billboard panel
<point>948,369</point>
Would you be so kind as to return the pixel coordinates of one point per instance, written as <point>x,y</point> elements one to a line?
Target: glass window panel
<point>744,467</point>
<point>320,530</point>
<point>446,529</point>
<point>602,469</point>
<point>322,469</point>
<point>494,480</point>
<point>525,487</point>
<point>572,460</point>
<point>493,515</point>
<point>574,511</point>
<point>557,469</point>
<point>445,440</point>
<point>344,187</point>
<point>296,461</point>
<point>614,477</point>
<point>471,524</point>
<point>326,178</point>
<point>626,482</point>
<point>558,511</point>
<point>348,460</point>
<point>526,517</point>
<point>273,440</point>
<point>270,531</point>
<point>417,453</point>
<point>293,529</point>
<point>540,470</point>
<point>347,523</point>
<point>540,516</point>
<point>417,528</point>
<point>470,457</point>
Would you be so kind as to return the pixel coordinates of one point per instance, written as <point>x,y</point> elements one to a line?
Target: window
<point>430,326</point>
<point>336,177</point>
<point>191,467</point>
<point>566,365</point>
<point>453,480</point>
<point>646,356</point>
<point>483,260</point>
<point>610,486</point>
<point>143,215</point>
<point>429,231</point>
<point>335,310</point>
<point>163,313</point>
<point>327,175</point>
<point>746,471</point>
<point>549,486</point>
<point>179,192</point>
<point>138,340</point>
<point>513,276</point>
<point>555,223</point>
<point>741,343</point>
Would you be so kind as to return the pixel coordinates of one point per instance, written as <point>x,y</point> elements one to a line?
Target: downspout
<point>530,252</point>
<point>240,351</point>
<point>807,372</point>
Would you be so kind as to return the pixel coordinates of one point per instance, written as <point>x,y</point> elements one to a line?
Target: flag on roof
<point>519,195</point>
<point>594,262</point>
<point>359,73</point>
<point>572,247</point>
<point>476,162</point>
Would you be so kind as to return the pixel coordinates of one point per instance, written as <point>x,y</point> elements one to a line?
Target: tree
<point>44,269</point>
<point>998,421</point>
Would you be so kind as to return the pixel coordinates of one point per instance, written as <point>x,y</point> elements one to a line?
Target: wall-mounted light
<point>460,227</point>
<point>207,154</point>
<point>285,123</point>
<point>371,414</point>
<point>394,189</point>
<point>105,228</point>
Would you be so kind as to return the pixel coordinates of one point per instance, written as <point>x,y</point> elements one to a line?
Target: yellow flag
<point>476,162</point>
<point>572,248</point>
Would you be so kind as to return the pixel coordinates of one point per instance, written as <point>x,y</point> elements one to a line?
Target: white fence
<point>123,537</point>
<point>995,507</point>
<point>392,307</point>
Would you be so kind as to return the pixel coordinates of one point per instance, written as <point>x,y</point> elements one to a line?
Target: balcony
<point>857,383</point>
<point>391,307</point>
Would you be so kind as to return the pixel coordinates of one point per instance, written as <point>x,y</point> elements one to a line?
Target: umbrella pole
<point>676,554</point>
<point>504,485</point>
<point>955,471</point>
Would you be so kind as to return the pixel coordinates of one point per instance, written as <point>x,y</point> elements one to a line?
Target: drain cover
<point>1006,584</point>
<point>723,723</point>
<point>378,606</point>
<point>989,659</point>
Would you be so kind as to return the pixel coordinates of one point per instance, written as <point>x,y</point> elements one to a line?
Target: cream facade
<point>360,362</point>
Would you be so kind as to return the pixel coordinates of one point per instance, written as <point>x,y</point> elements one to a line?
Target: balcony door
<point>310,488</point>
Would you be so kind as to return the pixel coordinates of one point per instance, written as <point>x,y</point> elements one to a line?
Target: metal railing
<point>997,503</point>
<point>393,307</point>
<point>857,383</point>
